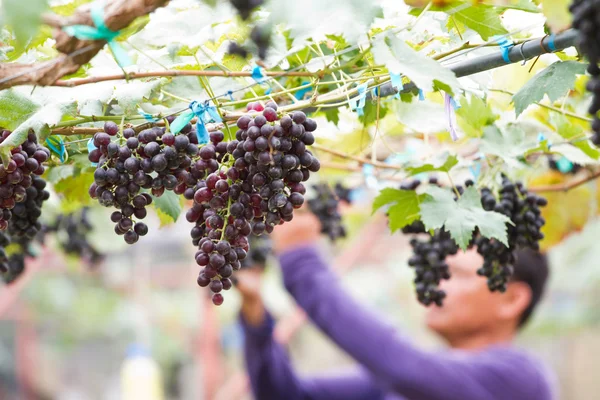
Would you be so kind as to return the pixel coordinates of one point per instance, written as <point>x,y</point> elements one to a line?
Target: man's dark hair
<point>531,268</point>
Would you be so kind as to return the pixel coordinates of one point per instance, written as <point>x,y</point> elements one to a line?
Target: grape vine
<point>430,249</point>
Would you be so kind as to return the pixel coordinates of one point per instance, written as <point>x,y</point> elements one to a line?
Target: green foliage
<point>557,14</point>
<point>24,17</point>
<point>446,166</point>
<point>168,207</point>
<point>554,81</point>
<point>73,190</point>
<point>397,56</point>
<point>15,107</point>
<point>484,20</point>
<point>460,218</point>
<point>474,115</point>
<point>569,131</point>
<point>404,206</point>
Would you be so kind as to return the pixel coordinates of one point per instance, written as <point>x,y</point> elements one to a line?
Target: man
<point>478,326</point>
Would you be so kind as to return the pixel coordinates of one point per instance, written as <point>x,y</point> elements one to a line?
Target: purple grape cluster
<point>25,215</point>
<point>431,249</point>
<point>523,208</point>
<point>325,206</point>
<point>586,19</point>
<point>258,186</point>
<point>154,160</point>
<point>17,176</point>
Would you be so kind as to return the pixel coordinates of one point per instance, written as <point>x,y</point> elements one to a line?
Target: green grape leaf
<point>370,114</point>
<point>69,8</point>
<point>557,14</point>
<point>16,108</point>
<point>24,18</point>
<point>333,115</point>
<point>168,207</point>
<point>509,144</point>
<point>73,191</point>
<point>460,218</point>
<point>446,166</point>
<point>522,5</point>
<point>131,94</point>
<point>568,130</point>
<point>39,123</point>
<point>57,173</point>
<point>555,80</point>
<point>473,115</point>
<point>422,70</point>
<point>404,207</point>
<point>484,20</point>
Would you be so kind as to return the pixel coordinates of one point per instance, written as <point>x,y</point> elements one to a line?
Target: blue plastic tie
<point>551,44</point>
<point>91,147</point>
<point>302,92</point>
<point>454,104</point>
<point>56,144</point>
<point>505,46</point>
<point>396,81</point>
<point>475,170</point>
<point>541,138</point>
<point>375,92</point>
<point>200,110</point>
<point>358,103</point>
<point>230,94</point>
<point>100,32</point>
<point>147,117</point>
<point>257,74</point>
<point>369,174</point>
<point>564,165</point>
<point>421,95</point>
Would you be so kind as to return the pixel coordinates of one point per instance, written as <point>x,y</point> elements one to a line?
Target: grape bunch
<point>25,215</point>
<point>12,257</point>
<point>586,19</point>
<point>523,208</point>
<point>429,262</point>
<point>431,249</point>
<point>245,7</point>
<point>17,176</point>
<point>260,247</point>
<point>154,160</point>
<point>72,232</point>
<point>257,186</point>
<point>325,206</point>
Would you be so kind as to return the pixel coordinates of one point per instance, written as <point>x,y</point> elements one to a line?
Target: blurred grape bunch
<point>325,205</point>
<point>72,233</point>
<point>260,248</point>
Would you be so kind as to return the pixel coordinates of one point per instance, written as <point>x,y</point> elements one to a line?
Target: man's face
<point>469,306</point>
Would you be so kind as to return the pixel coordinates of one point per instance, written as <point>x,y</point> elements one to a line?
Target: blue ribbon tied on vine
<point>204,112</point>
<point>358,104</point>
<point>100,32</point>
<point>57,146</point>
<point>396,81</point>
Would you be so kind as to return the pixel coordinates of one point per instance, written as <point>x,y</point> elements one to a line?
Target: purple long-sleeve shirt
<point>391,368</point>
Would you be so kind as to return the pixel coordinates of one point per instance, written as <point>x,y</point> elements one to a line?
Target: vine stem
<point>551,108</point>
<point>565,187</point>
<point>360,160</point>
<point>97,118</point>
<point>171,73</point>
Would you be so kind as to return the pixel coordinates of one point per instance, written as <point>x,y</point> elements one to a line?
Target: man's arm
<point>402,368</point>
<point>273,378</point>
